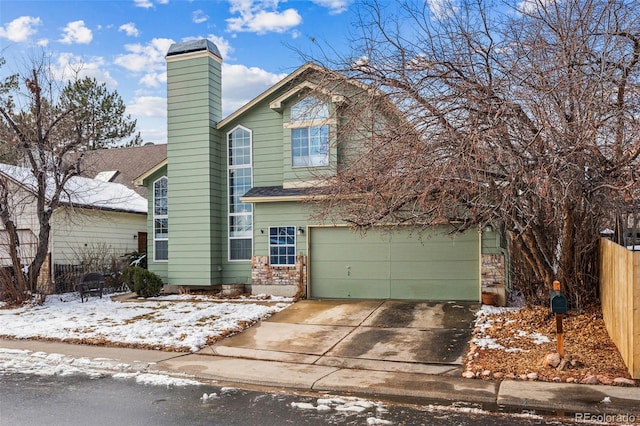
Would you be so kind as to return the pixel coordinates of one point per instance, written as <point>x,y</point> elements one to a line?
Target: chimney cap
<point>193,46</point>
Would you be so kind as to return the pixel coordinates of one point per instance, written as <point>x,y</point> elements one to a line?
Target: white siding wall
<point>79,231</point>
<point>23,207</point>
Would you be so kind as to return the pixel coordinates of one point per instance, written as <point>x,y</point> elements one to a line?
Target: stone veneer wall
<point>264,274</point>
<point>493,276</point>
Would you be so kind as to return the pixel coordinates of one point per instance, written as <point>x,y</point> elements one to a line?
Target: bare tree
<point>47,127</point>
<point>523,118</point>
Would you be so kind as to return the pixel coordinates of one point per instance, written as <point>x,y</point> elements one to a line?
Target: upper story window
<point>309,133</point>
<point>160,220</point>
<point>309,109</point>
<point>240,179</point>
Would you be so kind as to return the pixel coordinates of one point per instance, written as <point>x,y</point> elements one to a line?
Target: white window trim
<point>156,216</point>
<point>229,214</point>
<point>295,245</point>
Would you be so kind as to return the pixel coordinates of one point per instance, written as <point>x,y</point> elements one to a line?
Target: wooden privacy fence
<point>620,299</point>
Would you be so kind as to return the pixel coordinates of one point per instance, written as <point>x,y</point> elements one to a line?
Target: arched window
<point>240,179</point>
<point>160,220</point>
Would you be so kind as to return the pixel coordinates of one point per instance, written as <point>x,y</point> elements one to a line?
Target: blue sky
<point>123,43</point>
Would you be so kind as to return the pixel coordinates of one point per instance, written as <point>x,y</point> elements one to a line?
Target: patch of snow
<point>515,350</point>
<point>179,322</point>
<point>344,405</point>
<point>487,343</point>
<point>539,339</point>
<point>376,421</point>
<point>52,364</point>
<point>303,405</point>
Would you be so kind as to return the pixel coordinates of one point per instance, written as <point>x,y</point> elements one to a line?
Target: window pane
<point>161,228</point>
<point>282,245</point>
<point>240,249</point>
<point>240,225</point>
<point>309,109</point>
<point>161,250</point>
<point>160,197</point>
<point>239,144</point>
<point>310,146</point>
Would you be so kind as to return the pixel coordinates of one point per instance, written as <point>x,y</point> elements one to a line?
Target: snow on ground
<point>183,322</point>
<point>484,323</point>
<point>51,364</point>
<point>177,321</point>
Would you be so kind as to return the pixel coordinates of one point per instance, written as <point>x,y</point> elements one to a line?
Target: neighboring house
<point>228,206</point>
<point>123,165</point>
<point>94,216</point>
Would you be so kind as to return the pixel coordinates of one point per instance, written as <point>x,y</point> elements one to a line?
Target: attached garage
<point>393,265</point>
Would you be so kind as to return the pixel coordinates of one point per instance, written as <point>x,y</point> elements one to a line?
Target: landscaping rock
<point>605,380</point>
<point>589,380</point>
<point>468,374</point>
<point>552,360</point>
<point>532,376</point>
<point>622,381</point>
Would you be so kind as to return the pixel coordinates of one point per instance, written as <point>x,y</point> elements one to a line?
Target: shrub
<point>141,281</point>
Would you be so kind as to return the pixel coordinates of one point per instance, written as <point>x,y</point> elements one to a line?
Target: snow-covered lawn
<point>177,322</point>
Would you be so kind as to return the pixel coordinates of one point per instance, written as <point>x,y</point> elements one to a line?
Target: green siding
<point>195,189</point>
<point>396,265</point>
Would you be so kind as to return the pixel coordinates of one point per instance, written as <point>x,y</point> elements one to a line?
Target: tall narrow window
<point>240,177</point>
<point>309,136</point>
<point>160,220</point>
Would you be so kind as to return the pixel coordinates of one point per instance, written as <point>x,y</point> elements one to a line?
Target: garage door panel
<point>448,270</point>
<point>395,265</point>
<point>433,290</point>
<point>352,252</point>
<point>353,289</point>
<point>353,270</point>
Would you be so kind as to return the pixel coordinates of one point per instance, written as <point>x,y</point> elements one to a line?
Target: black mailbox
<point>558,302</point>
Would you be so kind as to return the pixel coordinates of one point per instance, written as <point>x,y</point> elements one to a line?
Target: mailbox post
<point>559,308</point>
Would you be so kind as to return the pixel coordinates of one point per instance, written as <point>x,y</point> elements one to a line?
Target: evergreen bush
<point>142,281</point>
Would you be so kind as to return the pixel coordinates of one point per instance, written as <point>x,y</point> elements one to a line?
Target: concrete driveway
<point>419,337</point>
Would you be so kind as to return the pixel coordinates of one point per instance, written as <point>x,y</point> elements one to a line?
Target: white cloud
<point>147,59</point>
<point>240,84</point>
<point>143,3</point>
<point>148,4</point>
<point>199,17</point>
<point>148,106</point>
<point>150,113</point>
<point>335,6</point>
<point>130,29</point>
<point>20,29</point>
<point>441,9</point>
<point>69,66</point>
<point>154,79</point>
<point>530,6</point>
<point>76,32</point>
<point>261,17</point>
<point>223,45</point>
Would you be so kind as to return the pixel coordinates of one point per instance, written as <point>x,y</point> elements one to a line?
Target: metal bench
<point>91,284</point>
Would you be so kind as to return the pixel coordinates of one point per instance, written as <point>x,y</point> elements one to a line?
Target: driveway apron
<point>375,334</point>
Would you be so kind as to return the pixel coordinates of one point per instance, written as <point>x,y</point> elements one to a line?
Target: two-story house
<point>229,204</point>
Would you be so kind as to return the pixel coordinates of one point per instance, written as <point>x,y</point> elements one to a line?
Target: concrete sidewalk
<point>507,395</point>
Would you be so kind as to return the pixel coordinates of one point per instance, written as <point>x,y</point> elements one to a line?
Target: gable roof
<point>84,192</point>
<point>129,163</point>
<point>309,66</point>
